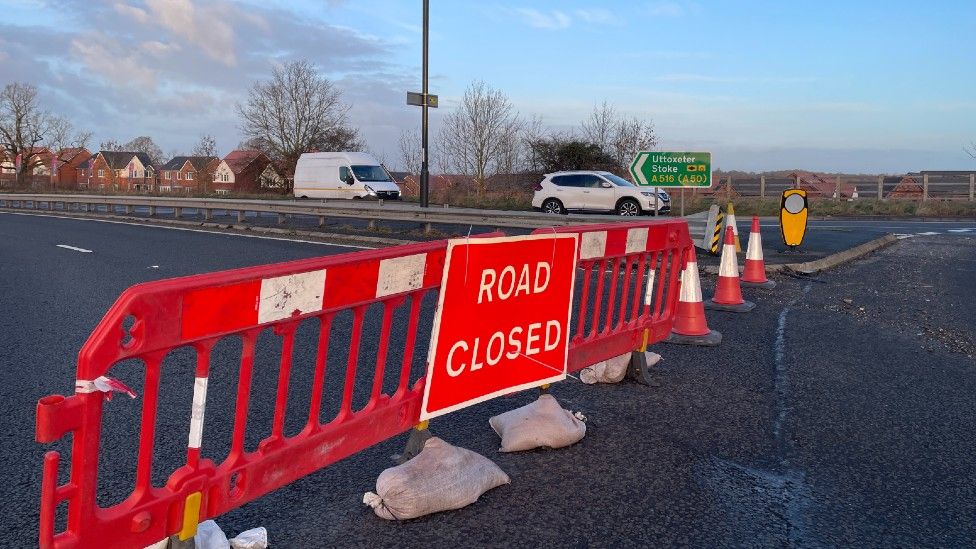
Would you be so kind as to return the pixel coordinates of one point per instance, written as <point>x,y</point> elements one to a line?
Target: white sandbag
<point>210,536</point>
<point>612,370</point>
<point>255,538</point>
<point>440,478</point>
<point>543,423</point>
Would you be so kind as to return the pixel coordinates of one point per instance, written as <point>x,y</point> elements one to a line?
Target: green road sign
<point>672,169</point>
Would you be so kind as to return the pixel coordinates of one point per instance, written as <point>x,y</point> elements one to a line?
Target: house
<point>72,164</point>
<point>189,174</point>
<point>39,173</point>
<point>907,188</point>
<point>246,171</point>
<point>118,171</point>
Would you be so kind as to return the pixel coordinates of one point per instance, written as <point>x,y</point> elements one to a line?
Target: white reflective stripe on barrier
<point>729,266</point>
<point>636,240</point>
<point>197,411</point>
<point>593,244</point>
<point>401,274</point>
<point>282,296</point>
<point>690,285</point>
<point>649,294</point>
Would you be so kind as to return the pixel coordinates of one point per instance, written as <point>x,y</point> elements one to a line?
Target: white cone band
<point>754,251</point>
<point>690,285</point>
<point>729,266</point>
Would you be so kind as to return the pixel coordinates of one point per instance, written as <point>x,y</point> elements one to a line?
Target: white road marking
<point>930,233</point>
<point>82,250</point>
<point>961,230</point>
<point>193,230</point>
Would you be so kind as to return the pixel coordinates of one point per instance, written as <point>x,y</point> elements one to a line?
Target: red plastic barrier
<point>199,311</point>
<point>629,287</point>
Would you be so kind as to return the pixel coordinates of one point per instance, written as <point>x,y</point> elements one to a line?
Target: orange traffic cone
<point>689,326</point>
<point>754,275</point>
<point>728,295</point>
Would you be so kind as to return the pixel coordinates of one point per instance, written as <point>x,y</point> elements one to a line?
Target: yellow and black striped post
<point>717,232</point>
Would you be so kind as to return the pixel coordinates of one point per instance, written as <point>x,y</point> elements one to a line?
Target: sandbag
<point>255,538</point>
<point>210,536</point>
<point>543,423</point>
<point>441,477</point>
<point>613,370</point>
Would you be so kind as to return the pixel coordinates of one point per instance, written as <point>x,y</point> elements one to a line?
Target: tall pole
<point>424,174</point>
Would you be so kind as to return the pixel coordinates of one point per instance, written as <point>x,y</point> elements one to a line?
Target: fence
<point>920,186</point>
<point>152,322</point>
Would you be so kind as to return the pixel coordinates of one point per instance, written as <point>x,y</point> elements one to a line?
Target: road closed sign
<point>502,320</point>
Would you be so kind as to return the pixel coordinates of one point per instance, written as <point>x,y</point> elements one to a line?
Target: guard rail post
<point>972,186</point>
<point>240,216</point>
<point>925,187</point>
<point>762,188</point>
<point>880,188</point>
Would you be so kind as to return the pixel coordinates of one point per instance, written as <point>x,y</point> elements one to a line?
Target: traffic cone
<point>689,326</point>
<point>754,275</point>
<point>730,222</point>
<point>728,294</point>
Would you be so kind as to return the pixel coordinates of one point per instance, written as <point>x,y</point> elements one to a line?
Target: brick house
<point>245,171</point>
<point>189,174</point>
<point>118,171</point>
<point>39,174</point>
<point>72,166</point>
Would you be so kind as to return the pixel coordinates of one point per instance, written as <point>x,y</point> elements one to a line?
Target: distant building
<point>188,174</point>
<point>125,171</point>
<point>907,189</point>
<point>246,171</point>
<point>71,168</point>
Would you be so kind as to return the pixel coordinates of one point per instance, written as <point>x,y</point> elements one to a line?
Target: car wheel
<point>628,207</point>
<point>553,206</point>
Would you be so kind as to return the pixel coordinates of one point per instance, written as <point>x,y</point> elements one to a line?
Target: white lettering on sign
<point>505,285</point>
<point>459,360</point>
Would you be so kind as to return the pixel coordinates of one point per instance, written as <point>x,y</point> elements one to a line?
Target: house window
<point>169,175</point>
<point>179,176</point>
<point>189,176</point>
<point>101,173</point>
<point>118,173</point>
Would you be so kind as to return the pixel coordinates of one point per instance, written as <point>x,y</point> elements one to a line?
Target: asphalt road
<point>818,421</point>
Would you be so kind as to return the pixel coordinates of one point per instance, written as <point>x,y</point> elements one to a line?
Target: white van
<point>342,175</point>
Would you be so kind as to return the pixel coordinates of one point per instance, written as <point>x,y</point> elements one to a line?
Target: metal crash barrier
<point>151,320</point>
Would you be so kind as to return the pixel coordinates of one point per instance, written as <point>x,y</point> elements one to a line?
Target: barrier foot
<point>639,371</point>
<point>415,443</point>
<point>768,285</point>
<point>711,339</point>
<point>175,543</point>
<point>743,307</point>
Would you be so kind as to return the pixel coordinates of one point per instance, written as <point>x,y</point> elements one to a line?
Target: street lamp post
<point>424,172</point>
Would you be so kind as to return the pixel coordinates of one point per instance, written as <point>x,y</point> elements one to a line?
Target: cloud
<point>107,57</point>
<point>208,27</point>
<point>136,14</point>
<point>553,20</point>
<point>159,49</point>
<point>597,16</point>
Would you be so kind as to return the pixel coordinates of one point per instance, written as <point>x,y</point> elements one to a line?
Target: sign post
<point>672,169</point>
<point>503,319</point>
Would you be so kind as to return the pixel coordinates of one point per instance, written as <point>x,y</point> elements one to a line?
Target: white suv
<point>561,192</point>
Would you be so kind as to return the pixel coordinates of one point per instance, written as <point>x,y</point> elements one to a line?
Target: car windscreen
<point>617,180</point>
<point>370,173</point>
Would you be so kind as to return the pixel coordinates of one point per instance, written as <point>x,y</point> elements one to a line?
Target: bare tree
<point>146,145</point>
<point>619,137</point>
<point>477,137</point>
<point>971,149</point>
<point>296,111</point>
<point>111,145</point>
<point>411,154</point>
<point>23,127</point>
<point>207,146</point>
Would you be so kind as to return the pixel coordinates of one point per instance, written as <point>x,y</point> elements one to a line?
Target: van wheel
<point>553,206</point>
<point>628,207</point>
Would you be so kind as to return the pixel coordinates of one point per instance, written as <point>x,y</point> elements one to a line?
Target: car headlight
<point>370,190</point>
<point>647,193</point>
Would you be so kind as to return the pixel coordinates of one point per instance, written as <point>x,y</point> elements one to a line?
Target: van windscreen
<point>370,173</point>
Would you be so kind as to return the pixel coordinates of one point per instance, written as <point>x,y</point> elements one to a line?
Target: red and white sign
<point>502,320</point>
